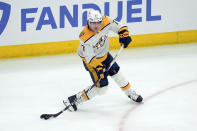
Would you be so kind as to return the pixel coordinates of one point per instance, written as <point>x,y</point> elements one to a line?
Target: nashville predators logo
<point>101,42</point>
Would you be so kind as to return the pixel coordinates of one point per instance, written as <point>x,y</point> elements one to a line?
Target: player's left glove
<point>124,37</point>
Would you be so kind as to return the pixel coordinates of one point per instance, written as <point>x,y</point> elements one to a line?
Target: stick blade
<point>46,116</point>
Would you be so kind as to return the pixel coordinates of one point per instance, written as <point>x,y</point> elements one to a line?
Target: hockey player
<point>94,52</point>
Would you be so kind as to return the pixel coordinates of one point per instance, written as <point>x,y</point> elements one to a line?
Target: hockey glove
<point>100,71</point>
<point>124,37</point>
<point>96,64</point>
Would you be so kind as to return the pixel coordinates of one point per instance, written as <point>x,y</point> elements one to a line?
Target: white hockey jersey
<point>94,44</point>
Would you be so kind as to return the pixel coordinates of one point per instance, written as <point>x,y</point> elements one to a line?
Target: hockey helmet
<point>94,16</point>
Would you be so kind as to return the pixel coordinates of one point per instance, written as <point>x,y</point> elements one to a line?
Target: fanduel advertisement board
<point>29,22</point>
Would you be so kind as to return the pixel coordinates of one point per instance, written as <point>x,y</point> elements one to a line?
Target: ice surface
<point>166,76</point>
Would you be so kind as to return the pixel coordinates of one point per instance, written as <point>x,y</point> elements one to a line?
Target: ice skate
<point>135,97</point>
<point>72,102</point>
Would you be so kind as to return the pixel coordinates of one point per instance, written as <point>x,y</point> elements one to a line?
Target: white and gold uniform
<point>93,50</point>
<point>94,44</point>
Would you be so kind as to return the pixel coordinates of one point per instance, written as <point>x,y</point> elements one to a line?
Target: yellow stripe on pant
<point>92,70</point>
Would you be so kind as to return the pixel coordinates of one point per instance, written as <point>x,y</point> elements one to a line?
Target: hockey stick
<point>47,116</point>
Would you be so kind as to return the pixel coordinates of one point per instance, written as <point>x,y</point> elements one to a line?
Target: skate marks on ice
<point>125,117</point>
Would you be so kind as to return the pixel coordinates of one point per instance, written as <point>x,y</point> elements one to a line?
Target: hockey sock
<point>122,83</point>
<point>88,93</point>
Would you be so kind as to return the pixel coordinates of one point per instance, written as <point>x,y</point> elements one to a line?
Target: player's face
<point>95,26</point>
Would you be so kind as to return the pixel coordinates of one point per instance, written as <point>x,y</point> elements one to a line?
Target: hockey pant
<point>102,85</point>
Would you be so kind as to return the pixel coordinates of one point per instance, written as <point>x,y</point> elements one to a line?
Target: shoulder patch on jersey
<point>86,34</point>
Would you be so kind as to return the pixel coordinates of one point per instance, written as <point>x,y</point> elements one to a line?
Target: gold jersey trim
<point>86,33</point>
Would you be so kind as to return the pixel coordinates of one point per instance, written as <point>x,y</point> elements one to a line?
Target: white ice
<point>166,76</point>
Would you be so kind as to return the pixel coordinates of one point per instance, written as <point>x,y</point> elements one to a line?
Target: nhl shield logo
<point>5,9</point>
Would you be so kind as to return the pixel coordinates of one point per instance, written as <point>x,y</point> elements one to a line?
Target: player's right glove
<point>124,37</point>
<point>100,71</point>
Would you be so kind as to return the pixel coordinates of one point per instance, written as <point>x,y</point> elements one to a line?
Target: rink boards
<point>67,47</point>
<point>48,28</point>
